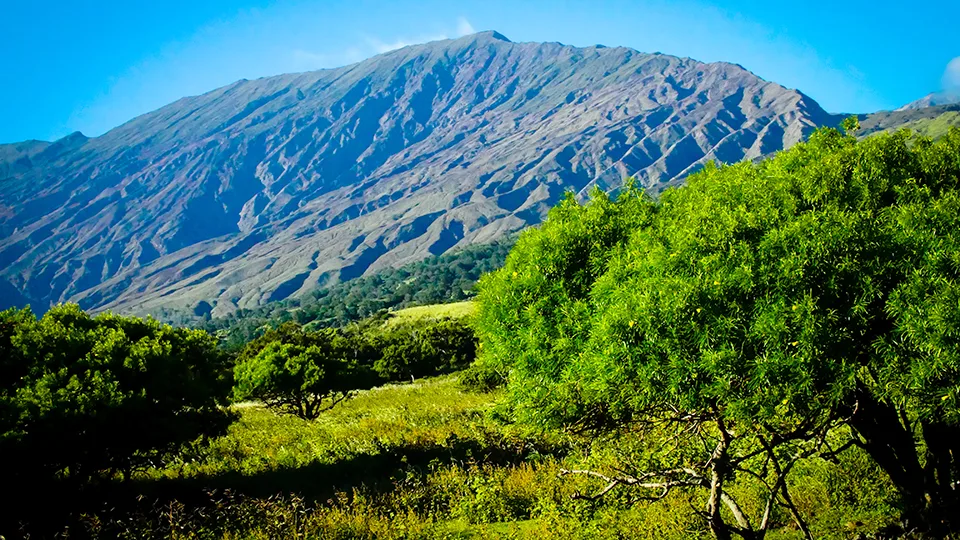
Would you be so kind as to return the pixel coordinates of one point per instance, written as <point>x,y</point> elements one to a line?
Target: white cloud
<point>951,76</point>
<point>380,46</point>
<point>304,60</point>
<point>464,28</point>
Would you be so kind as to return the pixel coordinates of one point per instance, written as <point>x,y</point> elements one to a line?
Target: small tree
<point>759,306</point>
<point>422,348</point>
<point>302,373</point>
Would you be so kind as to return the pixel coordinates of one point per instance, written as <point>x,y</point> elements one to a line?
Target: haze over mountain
<point>266,189</point>
<point>933,100</point>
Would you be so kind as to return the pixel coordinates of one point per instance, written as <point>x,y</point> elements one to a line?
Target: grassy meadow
<point>432,460</point>
<point>453,310</point>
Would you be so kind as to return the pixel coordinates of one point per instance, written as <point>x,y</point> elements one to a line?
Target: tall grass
<point>430,460</point>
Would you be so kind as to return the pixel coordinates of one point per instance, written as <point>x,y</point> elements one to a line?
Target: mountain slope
<point>266,189</point>
<point>933,100</point>
<point>928,121</point>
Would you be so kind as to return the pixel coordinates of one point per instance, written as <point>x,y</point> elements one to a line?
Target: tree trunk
<point>941,443</point>
<point>719,468</point>
<point>893,448</point>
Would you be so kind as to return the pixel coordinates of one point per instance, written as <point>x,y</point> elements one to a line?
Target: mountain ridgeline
<point>268,189</point>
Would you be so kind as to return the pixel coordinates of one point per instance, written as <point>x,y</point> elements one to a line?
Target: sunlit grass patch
<point>453,310</point>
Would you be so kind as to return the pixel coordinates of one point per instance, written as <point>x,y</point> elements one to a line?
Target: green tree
<point>83,396</point>
<point>759,306</point>
<point>302,373</point>
<point>421,348</point>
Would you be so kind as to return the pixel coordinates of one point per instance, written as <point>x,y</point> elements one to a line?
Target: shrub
<point>82,396</point>
<point>421,348</point>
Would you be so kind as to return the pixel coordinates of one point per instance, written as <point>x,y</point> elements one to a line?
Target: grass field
<point>430,460</point>
<point>453,310</point>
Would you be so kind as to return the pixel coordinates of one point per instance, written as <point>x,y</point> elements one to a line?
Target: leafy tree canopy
<point>439,279</point>
<point>81,395</point>
<point>303,373</point>
<point>774,300</point>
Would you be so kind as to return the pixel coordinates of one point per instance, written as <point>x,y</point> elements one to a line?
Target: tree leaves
<point>768,293</point>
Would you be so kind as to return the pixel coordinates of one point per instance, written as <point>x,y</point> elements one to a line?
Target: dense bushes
<point>760,308</point>
<point>86,399</point>
<point>301,372</point>
<point>82,396</point>
<point>420,348</point>
<point>427,461</point>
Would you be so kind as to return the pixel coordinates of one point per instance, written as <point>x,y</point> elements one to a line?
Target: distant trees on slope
<point>442,279</point>
<point>758,315</point>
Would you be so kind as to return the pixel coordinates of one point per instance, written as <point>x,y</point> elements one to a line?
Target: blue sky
<point>68,65</point>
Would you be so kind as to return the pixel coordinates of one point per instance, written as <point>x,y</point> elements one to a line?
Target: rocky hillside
<point>266,189</point>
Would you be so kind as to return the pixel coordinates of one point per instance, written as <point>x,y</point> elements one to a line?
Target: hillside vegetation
<point>932,122</point>
<point>433,311</point>
<point>434,280</point>
<point>431,460</point>
<point>755,314</point>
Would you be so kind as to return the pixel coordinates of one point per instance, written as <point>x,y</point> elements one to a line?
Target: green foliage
<point>481,378</point>
<point>303,373</point>
<point>434,280</point>
<point>418,348</point>
<point>306,372</point>
<point>456,310</point>
<point>83,396</point>
<point>932,122</point>
<point>534,315</point>
<point>772,300</point>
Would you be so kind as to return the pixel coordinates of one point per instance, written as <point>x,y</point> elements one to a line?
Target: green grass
<point>454,310</point>
<point>935,127</point>
<point>430,460</point>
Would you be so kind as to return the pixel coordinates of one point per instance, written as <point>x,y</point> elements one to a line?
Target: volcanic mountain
<point>266,189</point>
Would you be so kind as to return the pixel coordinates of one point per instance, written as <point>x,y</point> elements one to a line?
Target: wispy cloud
<point>951,76</point>
<point>464,28</point>
<point>308,60</point>
<point>378,45</point>
<point>305,60</point>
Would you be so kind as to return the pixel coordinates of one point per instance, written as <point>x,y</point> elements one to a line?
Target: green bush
<point>421,348</point>
<point>84,396</point>
<point>305,372</point>
<point>481,378</point>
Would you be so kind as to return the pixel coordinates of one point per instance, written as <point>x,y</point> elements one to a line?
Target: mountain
<point>928,121</point>
<point>933,100</point>
<point>266,189</point>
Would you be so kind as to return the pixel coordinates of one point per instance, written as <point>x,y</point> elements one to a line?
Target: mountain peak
<point>270,188</point>
<point>493,34</point>
<point>483,37</point>
<point>933,100</point>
